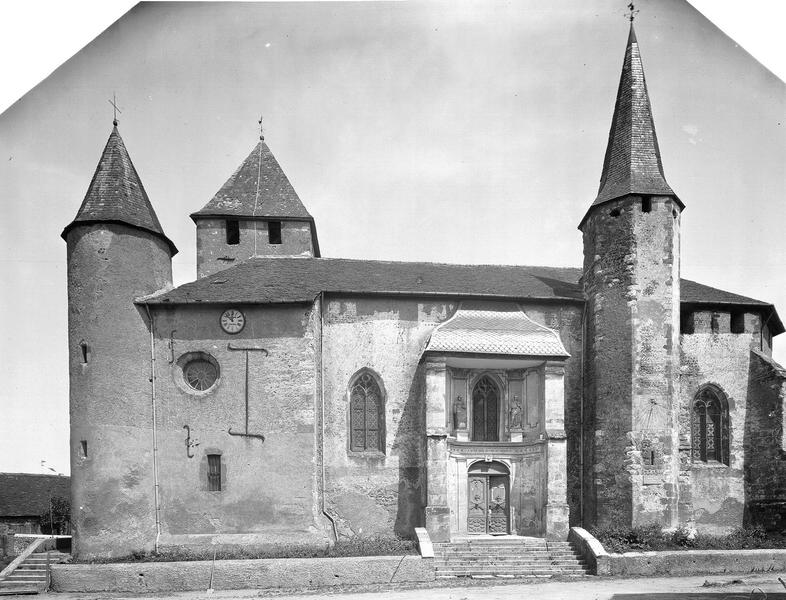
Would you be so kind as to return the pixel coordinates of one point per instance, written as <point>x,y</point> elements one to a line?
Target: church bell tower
<point>631,283</point>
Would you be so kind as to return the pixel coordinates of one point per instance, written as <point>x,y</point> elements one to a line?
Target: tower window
<point>214,472</point>
<point>646,204</point>
<point>83,447</point>
<point>274,232</point>
<point>233,232</point>
<point>83,347</point>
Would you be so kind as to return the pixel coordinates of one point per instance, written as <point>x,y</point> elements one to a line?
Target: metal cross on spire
<point>115,108</point>
<point>261,129</point>
<point>633,12</point>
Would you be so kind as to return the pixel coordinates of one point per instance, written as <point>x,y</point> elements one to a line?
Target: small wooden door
<point>488,503</point>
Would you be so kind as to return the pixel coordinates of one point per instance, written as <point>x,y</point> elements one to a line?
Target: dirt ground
<point>757,586</point>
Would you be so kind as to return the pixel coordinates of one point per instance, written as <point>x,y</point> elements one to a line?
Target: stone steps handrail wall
<point>34,545</point>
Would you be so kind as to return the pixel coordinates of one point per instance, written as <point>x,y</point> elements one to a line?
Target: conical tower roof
<point>632,164</point>
<point>258,188</point>
<point>116,194</point>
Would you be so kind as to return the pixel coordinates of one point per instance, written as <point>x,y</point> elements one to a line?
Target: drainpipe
<point>155,428</point>
<point>581,419</point>
<point>321,298</point>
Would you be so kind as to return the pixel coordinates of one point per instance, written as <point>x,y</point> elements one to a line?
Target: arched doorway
<point>489,498</point>
<point>485,410</point>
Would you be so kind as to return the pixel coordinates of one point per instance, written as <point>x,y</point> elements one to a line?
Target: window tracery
<point>710,426</point>
<point>366,414</point>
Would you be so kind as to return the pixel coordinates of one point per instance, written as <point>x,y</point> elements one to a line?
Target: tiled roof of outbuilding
<point>285,279</point>
<point>116,194</point>
<point>258,188</point>
<point>27,494</point>
<point>632,164</point>
<point>476,328</point>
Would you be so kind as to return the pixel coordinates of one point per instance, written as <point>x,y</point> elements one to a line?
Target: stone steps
<point>506,558</point>
<point>30,577</point>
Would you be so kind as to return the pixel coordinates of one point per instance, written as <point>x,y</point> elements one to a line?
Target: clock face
<point>232,320</point>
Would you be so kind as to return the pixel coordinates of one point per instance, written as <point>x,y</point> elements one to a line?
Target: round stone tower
<point>631,282</point>
<point>117,252</point>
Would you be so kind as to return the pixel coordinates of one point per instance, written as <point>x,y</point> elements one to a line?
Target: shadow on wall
<point>765,467</point>
<point>410,442</point>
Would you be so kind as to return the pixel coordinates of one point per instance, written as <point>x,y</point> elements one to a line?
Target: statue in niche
<point>515,413</point>
<point>460,413</point>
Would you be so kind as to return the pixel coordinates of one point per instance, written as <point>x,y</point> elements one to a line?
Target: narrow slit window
<point>83,447</point>
<point>214,472</point>
<point>233,232</point>
<point>274,232</point>
<point>738,322</point>
<point>646,204</point>
<point>715,323</point>
<point>83,348</point>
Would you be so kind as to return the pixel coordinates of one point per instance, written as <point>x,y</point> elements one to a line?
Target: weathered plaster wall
<point>378,493</point>
<point>268,494</point>
<point>214,254</point>
<point>567,320</point>
<point>631,281</point>
<point>712,495</point>
<point>112,509</point>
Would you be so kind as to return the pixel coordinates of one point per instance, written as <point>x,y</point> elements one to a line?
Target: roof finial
<point>115,108</point>
<point>633,12</point>
<point>261,130</point>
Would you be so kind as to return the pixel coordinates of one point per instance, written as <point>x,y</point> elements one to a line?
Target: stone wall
<point>214,254</point>
<point>631,281</point>
<point>719,497</point>
<point>269,574</point>
<point>765,467</point>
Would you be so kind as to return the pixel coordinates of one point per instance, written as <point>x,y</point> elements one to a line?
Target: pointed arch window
<point>710,426</point>
<point>485,410</point>
<point>366,414</point>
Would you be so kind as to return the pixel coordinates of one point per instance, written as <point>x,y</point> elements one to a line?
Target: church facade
<point>287,399</point>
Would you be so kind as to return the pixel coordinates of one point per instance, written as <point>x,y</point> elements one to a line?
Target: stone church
<point>283,398</point>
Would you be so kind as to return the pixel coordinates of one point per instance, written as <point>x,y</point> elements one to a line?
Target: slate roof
<point>258,188</point>
<point>27,494</point>
<point>281,280</point>
<point>476,328</point>
<point>697,294</point>
<point>288,279</point>
<point>632,164</point>
<point>116,194</point>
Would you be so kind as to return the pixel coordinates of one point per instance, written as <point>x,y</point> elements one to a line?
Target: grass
<point>349,547</point>
<point>652,537</point>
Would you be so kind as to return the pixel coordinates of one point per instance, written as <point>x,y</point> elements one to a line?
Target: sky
<point>452,132</point>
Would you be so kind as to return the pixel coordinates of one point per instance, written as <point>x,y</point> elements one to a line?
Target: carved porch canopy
<point>495,329</point>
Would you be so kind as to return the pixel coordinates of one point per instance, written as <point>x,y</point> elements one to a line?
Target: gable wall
<point>268,487</point>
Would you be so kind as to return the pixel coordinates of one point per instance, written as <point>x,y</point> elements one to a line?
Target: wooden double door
<point>489,503</point>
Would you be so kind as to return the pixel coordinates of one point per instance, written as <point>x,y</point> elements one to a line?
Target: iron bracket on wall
<point>247,349</point>
<point>189,442</point>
